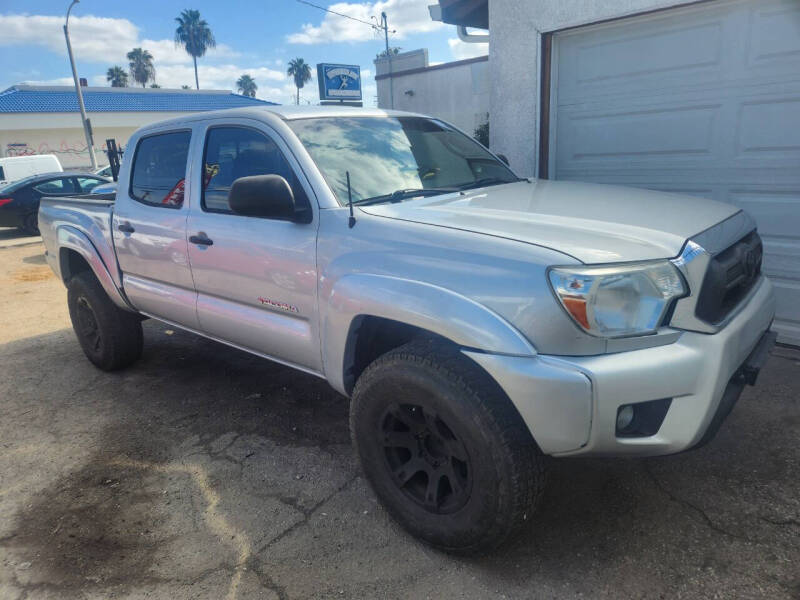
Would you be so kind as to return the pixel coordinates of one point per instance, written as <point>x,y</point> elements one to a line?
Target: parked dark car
<point>19,201</point>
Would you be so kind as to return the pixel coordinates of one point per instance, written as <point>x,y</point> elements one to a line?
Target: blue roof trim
<point>30,99</point>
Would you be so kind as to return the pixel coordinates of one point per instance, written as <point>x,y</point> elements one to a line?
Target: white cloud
<point>218,77</point>
<point>94,39</point>
<point>405,17</point>
<point>462,50</point>
<point>90,36</point>
<point>56,81</point>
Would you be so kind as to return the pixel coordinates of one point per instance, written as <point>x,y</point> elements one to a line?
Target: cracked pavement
<point>203,472</point>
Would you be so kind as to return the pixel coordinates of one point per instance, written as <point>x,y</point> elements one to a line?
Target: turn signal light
<point>577,308</point>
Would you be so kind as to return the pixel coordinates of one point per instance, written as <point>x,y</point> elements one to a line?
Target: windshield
<point>392,157</point>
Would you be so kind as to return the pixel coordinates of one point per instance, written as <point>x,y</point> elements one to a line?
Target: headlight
<point>618,301</point>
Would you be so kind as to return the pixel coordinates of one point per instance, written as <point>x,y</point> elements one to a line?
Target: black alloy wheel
<point>427,460</point>
<point>87,325</point>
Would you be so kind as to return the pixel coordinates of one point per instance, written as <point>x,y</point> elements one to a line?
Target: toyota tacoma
<point>479,322</point>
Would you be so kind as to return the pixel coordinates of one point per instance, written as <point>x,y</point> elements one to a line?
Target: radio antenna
<point>352,221</point>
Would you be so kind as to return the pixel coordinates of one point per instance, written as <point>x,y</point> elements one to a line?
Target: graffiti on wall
<point>63,147</point>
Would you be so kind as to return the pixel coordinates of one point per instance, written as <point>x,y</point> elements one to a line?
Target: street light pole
<point>385,27</point>
<point>87,128</point>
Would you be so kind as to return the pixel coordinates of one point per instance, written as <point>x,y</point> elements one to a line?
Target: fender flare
<point>70,238</point>
<point>453,316</point>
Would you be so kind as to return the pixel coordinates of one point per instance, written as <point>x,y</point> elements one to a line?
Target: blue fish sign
<point>339,82</point>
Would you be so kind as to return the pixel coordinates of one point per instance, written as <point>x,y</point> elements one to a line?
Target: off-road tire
<point>110,337</point>
<point>505,471</point>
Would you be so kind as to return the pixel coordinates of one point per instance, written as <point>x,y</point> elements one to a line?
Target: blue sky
<point>254,37</point>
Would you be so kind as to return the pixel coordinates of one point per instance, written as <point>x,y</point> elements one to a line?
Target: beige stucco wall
<point>454,92</point>
<point>62,133</point>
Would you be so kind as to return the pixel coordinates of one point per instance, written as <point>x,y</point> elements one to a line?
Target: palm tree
<point>141,65</point>
<point>117,76</point>
<point>301,72</point>
<point>195,36</point>
<point>247,86</point>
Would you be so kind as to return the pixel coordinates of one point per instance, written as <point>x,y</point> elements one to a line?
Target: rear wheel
<point>110,337</point>
<point>444,448</point>
<point>30,224</point>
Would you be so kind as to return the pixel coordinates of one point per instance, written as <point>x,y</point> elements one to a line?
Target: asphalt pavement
<point>204,472</point>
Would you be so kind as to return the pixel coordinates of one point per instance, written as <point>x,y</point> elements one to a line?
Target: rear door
<point>149,227</point>
<point>256,278</point>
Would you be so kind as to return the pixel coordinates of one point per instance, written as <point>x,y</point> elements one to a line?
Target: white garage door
<point>703,100</point>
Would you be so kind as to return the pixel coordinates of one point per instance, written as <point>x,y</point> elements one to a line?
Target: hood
<point>590,222</point>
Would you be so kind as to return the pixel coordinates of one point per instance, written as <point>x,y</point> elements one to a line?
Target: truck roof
<point>286,113</point>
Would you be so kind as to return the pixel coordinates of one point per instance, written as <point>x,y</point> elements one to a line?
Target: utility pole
<point>87,128</point>
<point>385,27</point>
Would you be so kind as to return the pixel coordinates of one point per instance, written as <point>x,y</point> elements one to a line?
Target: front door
<point>256,278</point>
<point>149,227</point>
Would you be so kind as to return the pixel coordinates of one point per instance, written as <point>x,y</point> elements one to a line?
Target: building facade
<point>699,98</point>
<point>45,119</point>
<point>456,92</point>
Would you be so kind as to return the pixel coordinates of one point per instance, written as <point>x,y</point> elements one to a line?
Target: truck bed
<point>80,219</point>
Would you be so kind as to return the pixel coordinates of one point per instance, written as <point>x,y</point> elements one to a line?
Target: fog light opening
<point>625,416</point>
<point>642,419</point>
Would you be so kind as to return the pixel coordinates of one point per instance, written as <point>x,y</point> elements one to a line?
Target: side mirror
<point>268,196</point>
<point>504,158</point>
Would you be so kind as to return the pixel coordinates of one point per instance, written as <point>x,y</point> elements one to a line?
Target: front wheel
<point>444,449</point>
<point>110,337</point>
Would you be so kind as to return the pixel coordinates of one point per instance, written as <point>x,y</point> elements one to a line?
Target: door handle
<point>126,227</point>
<point>201,240</point>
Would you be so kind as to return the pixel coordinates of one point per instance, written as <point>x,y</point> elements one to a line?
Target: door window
<point>87,184</point>
<point>159,169</point>
<point>56,187</point>
<point>234,152</point>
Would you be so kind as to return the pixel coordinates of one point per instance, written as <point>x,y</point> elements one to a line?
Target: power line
<point>333,12</point>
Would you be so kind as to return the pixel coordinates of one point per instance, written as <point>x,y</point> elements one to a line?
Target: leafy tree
<point>155,86</point>
<point>185,87</point>
<point>300,72</point>
<point>393,50</point>
<point>481,132</point>
<point>117,76</point>
<point>247,86</point>
<point>194,34</point>
<point>141,66</point>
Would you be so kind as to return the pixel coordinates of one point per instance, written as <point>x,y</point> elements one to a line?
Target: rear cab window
<point>159,169</point>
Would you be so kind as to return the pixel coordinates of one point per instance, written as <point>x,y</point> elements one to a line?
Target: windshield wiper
<point>485,181</point>
<point>402,194</point>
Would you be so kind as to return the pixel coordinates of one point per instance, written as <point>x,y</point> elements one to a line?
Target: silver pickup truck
<point>478,321</point>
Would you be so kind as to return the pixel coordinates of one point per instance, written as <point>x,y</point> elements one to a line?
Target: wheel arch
<point>77,254</point>
<point>397,310</point>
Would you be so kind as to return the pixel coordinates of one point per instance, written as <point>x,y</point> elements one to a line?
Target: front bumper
<point>570,404</point>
